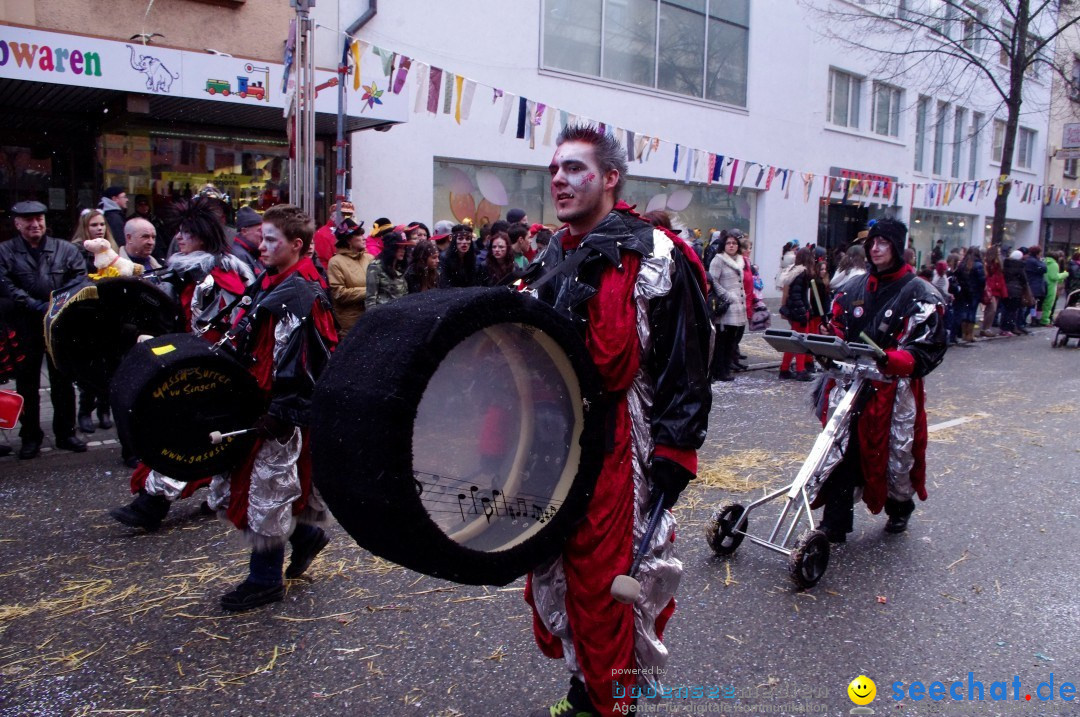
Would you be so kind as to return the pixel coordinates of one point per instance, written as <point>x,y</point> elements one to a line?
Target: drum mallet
<point>216,437</point>
<point>625,588</point>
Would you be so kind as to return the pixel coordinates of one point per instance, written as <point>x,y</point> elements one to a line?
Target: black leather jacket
<point>30,281</point>
<point>679,322</point>
<point>300,352</point>
<point>895,312</point>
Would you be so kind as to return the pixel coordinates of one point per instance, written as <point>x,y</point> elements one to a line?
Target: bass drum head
<point>90,328</point>
<point>457,432</point>
<point>167,396</point>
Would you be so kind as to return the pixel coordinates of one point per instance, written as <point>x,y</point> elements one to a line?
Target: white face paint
<point>579,189</point>
<point>881,253</point>
<point>276,251</point>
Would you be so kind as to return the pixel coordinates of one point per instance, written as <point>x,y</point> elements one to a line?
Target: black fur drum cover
<point>459,433</point>
<point>89,328</point>
<point>171,392</point>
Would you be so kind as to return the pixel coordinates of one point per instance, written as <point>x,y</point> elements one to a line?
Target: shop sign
<point>75,60</point>
<point>1070,135</point>
<point>864,177</point>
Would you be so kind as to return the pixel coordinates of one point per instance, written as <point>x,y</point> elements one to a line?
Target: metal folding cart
<point>851,365</point>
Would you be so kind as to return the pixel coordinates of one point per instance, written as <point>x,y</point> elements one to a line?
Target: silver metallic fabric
<point>283,329</point>
<point>902,442</point>
<point>549,596</point>
<point>660,570</point>
<point>275,484</point>
<point>839,445</point>
<point>219,492</point>
<point>158,484</point>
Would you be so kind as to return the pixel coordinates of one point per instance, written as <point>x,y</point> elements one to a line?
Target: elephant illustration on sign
<point>158,77</point>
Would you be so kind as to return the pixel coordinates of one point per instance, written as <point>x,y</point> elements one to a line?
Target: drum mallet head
<point>626,588</point>
<point>216,437</point>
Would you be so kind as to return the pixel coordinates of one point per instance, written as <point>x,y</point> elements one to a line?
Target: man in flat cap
<point>32,266</point>
<point>245,245</point>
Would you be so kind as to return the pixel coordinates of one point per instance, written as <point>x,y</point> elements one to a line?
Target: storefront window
<point>927,227</point>
<point>484,193</point>
<point>173,167</point>
<point>1012,229</point>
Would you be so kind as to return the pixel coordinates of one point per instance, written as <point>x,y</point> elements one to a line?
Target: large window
<point>939,136</point>
<point>699,206</point>
<point>844,92</point>
<point>973,145</point>
<point>958,140</point>
<point>921,114</point>
<point>886,109</point>
<point>696,48</point>
<point>973,25</point>
<point>999,140</point>
<point>1025,148</point>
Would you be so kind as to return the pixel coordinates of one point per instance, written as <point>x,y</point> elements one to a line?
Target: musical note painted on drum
<point>472,502</point>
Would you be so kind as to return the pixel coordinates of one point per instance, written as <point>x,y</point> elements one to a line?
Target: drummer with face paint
<point>288,334</point>
<point>637,296</point>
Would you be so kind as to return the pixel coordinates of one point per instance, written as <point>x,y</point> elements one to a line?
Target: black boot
<point>86,423</point>
<point>307,542</point>
<point>899,512</point>
<point>263,585</point>
<point>838,518</point>
<point>104,419</point>
<point>146,511</point>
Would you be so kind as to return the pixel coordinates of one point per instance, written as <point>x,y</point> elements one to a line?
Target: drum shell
<point>89,337</point>
<point>364,409</point>
<point>170,392</point>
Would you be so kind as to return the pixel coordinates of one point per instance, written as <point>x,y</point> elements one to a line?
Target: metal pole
<point>309,116</point>
<point>302,168</point>
<point>340,143</point>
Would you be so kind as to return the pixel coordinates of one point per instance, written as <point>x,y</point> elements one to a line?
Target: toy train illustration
<point>244,88</point>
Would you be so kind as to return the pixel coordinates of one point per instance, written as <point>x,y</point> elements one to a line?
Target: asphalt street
<point>99,619</point>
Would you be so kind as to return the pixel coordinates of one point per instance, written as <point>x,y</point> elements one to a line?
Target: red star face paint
<point>575,191</point>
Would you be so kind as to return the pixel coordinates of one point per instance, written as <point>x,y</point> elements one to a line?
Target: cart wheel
<point>720,529</point>
<point>810,558</point>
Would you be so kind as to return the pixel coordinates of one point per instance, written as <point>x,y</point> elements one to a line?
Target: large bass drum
<point>171,392</point>
<point>459,433</point>
<point>90,327</point>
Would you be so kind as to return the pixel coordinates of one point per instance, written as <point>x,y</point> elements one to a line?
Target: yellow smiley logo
<point>862,690</point>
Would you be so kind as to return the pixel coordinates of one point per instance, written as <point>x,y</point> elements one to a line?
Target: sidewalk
<point>100,437</point>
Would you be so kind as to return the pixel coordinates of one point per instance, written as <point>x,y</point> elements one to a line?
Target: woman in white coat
<point>726,270</point>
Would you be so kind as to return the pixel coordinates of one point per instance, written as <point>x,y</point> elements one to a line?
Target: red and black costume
<point>886,451</point>
<point>638,299</point>
<point>288,335</point>
<point>204,285</point>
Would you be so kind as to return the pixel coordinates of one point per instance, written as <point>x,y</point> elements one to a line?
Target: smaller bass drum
<point>89,328</point>
<point>169,393</point>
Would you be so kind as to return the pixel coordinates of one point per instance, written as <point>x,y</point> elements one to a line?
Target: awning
<point>59,79</point>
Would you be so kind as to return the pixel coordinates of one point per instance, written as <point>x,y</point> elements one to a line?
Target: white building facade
<point>756,81</point>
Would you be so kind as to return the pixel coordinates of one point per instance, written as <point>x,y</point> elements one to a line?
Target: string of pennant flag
<point>438,90</point>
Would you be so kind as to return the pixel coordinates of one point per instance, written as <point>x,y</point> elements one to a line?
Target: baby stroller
<point>851,365</point>
<point>1068,321</point>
